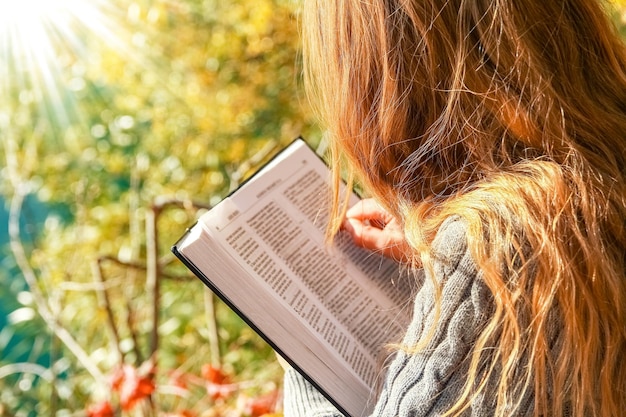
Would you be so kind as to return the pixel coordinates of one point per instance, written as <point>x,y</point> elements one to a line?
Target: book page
<point>350,297</point>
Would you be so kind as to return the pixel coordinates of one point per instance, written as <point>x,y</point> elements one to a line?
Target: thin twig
<point>153,285</point>
<point>130,322</point>
<point>214,343</point>
<point>165,260</point>
<point>103,300</point>
<point>21,259</point>
<point>164,202</point>
<point>26,368</point>
<point>31,280</point>
<point>238,175</point>
<point>158,207</point>
<point>54,393</point>
<point>152,273</point>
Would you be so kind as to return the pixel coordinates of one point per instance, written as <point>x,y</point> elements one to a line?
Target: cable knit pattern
<point>426,383</point>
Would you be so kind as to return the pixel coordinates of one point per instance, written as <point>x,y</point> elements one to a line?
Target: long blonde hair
<point>512,115</point>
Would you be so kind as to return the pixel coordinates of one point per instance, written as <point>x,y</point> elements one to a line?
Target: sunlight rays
<point>39,41</point>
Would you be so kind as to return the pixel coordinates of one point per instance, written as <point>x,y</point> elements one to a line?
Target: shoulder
<point>453,294</point>
<point>450,311</point>
<point>452,231</point>
<point>450,251</point>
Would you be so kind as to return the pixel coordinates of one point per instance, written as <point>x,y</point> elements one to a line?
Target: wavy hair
<point>512,115</point>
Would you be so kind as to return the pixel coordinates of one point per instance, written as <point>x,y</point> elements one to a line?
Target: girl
<point>491,135</point>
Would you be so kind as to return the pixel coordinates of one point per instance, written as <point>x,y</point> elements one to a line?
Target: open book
<point>328,310</point>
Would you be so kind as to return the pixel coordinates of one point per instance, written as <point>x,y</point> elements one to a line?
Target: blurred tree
<point>112,107</point>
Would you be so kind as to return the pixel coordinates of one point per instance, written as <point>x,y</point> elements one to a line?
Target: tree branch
<point>103,300</point>
<point>214,341</point>
<point>40,301</point>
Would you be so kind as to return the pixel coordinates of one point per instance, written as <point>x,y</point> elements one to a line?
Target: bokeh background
<point>120,122</point>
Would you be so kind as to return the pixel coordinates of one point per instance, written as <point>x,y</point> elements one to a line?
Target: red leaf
<point>131,386</point>
<point>219,385</point>
<point>102,409</point>
<point>213,374</point>
<point>183,413</point>
<point>259,406</point>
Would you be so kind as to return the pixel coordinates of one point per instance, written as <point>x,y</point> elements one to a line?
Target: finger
<point>370,210</point>
<point>388,243</point>
<point>365,235</point>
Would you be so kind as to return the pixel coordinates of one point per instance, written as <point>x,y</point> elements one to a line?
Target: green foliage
<point>136,102</point>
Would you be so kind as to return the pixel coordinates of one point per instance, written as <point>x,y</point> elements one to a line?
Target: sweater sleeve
<point>426,382</point>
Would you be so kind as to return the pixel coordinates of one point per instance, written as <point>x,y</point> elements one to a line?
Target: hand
<point>373,228</point>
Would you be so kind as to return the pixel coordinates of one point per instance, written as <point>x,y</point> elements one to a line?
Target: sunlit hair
<point>512,115</point>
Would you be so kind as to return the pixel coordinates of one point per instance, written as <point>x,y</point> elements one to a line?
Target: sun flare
<point>38,38</point>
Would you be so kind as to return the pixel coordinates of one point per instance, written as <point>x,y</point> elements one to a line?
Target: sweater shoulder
<point>451,238</point>
<point>450,254</point>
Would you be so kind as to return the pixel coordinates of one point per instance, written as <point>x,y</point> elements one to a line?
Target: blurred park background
<point>120,121</point>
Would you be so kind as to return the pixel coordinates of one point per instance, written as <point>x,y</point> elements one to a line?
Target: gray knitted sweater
<point>426,383</point>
